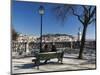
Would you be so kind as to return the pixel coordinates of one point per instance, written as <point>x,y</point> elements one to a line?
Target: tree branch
<point>86,10</point>
<point>93,12</point>
<point>78,16</point>
<point>90,10</point>
<point>92,20</point>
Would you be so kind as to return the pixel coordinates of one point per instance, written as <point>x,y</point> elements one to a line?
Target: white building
<point>26,38</point>
<point>47,38</point>
<point>57,38</point>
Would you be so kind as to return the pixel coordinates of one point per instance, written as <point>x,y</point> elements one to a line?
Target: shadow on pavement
<point>31,65</point>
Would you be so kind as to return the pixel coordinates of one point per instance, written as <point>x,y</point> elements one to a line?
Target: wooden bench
<point>48,55</point>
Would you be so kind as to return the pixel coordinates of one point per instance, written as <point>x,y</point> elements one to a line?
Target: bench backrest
<point>48,55</point>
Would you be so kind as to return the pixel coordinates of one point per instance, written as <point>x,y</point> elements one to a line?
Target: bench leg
<point>38,67</point>
<point>60,59</point>
<point>37,64</point>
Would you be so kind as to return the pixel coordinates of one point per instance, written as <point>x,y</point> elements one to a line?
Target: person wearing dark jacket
<point>46,50</point>
<point>53,48</point>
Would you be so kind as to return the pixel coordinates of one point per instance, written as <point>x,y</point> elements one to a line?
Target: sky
<point>26,20</point>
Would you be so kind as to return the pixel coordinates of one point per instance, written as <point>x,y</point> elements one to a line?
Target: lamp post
<point>41,12</point>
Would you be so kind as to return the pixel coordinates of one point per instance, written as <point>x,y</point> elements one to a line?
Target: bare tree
<point>85,14</point>
<point>14,34</point>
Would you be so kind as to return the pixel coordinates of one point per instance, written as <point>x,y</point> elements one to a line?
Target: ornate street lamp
<point>41,12</point>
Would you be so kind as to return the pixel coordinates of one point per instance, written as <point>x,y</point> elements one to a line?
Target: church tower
<point>79,34</point>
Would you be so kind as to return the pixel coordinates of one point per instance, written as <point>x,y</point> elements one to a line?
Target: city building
<point>58,38</point>
<point>47,38</point>
<point>27,38</point>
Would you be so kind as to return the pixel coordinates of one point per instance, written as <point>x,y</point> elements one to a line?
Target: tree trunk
<point>82,42</point>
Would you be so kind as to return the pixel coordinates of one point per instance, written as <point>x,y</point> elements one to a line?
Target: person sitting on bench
<point>53,49</point>
<point>46,50</point>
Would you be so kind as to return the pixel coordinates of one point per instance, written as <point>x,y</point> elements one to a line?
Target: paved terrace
<point>25,65</point>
